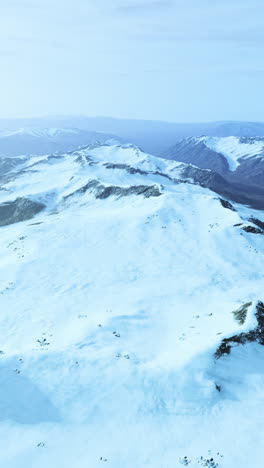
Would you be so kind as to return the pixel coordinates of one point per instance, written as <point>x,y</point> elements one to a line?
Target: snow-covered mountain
<point>131,316</point>
<point>232,151</point>
<point>239,160</point>
<point>236,150</point>
<point>40,141</point>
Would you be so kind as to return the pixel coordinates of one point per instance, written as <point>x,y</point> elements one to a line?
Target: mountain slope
<point>114,300</point>
<point>240,161</point>
<point>237,150</point>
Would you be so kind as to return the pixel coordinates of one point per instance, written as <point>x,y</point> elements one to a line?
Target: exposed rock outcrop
<point>18,210</point>
<point>101,191</point>
<point>256,335</point>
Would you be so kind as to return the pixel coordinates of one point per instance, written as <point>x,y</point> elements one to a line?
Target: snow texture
<point>111,312</point>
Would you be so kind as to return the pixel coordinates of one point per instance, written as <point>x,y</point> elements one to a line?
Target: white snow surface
<point>235,149</point>
<point>111,311</point>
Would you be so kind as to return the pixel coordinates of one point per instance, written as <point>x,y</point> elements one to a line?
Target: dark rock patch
<point>103,192</point>
<point>146,190</point>
<point>240,314</point>
<point>125,167</point>
<point>90,185</point>
<point>10,164</point>
<point>226,204</point>
<point>203,177</point>
<point>133,170</point>
<point>256,335</point>
<point>257,222</point>
<point>18,210</point>
<point>161,174</point>
<point>252,230</point>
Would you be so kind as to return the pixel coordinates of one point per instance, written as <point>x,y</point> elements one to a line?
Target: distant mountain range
<point>152,136</point>
<point>40,141</point>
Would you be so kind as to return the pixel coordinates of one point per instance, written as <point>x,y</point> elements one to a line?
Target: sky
<point>176,60</point>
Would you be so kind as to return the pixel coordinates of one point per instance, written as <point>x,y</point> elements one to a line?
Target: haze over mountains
<point>152,136</point>
<point>40,141</point>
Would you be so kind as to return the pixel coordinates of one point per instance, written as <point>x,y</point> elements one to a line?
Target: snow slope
<point>114,299</point>
<point>235,148</point>
<point>238,161</point>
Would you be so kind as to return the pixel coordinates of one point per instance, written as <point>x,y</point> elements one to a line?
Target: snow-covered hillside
<point>119,277</point>
<point>239,161</point>
<point>234,148</point>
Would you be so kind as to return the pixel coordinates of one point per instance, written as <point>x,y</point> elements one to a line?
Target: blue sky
<point>178,60</point>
